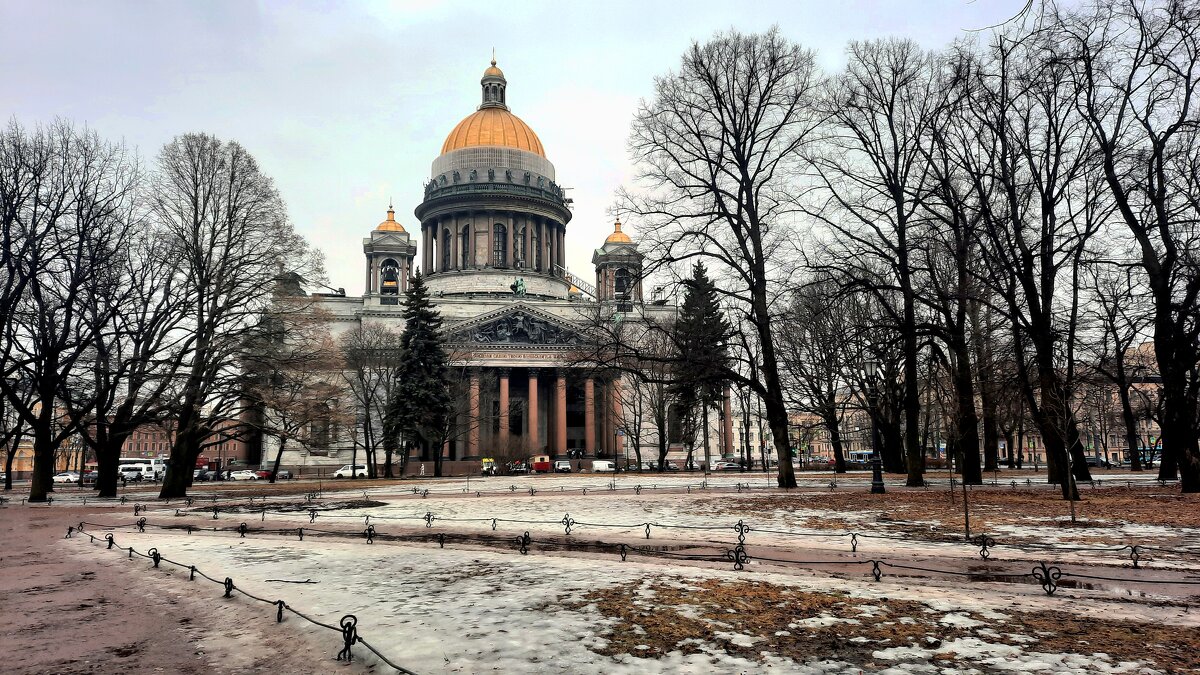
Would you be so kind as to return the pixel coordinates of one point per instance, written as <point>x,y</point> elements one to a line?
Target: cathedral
<point>493,229</point>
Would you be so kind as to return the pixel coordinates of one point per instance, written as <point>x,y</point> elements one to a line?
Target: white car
<point>66,477</point>
<point>244,474</point>
<point>348,470</point>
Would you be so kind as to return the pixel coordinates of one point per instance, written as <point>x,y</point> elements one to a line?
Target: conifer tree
<point>421,404</point>
<point>702,338</point>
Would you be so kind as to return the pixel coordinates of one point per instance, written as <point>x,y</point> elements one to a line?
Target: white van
<point>603,466</point>
<point>135,472</point>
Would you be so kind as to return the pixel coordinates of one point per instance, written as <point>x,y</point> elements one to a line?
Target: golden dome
<point>493,70</point>
<point>618,237</point>
<point>390,225</point>
<point>493,127</point>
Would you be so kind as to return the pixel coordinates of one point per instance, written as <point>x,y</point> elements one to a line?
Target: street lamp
<point>870,368</point>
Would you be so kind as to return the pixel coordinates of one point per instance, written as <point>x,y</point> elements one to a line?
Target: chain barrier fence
<point>612,486</point>
<point>986,544</point>
<point>347,626</point>
<point>1048,574</point>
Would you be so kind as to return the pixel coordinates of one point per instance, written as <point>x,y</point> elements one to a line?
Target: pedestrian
<point>122,480</point>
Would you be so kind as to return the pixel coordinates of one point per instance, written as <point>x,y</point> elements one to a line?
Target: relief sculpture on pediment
<point>520,328</point>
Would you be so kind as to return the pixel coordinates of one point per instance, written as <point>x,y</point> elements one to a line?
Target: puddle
<point>1065,582</point>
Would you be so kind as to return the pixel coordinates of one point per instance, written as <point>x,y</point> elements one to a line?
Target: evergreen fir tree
<point>702,338</point>
<point>421,404</point>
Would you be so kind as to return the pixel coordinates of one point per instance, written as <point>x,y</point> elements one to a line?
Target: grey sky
<point>347,104</point>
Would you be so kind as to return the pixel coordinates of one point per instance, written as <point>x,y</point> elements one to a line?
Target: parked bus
<point>156,465</point>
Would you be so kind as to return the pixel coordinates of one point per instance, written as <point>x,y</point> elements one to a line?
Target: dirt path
<point>67,606</point>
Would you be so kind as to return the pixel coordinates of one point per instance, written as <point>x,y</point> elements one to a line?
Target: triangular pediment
<point>520,324</point>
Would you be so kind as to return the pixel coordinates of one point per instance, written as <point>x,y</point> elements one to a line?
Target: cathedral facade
<point>490,238</point>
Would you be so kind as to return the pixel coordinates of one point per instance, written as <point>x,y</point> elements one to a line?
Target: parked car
<point>263,473</point>
<point>562,466</point>
<point>517,467</point>
<point>66,477</point>
<point>603,466</point>
<point>244,474</point>
<point>672,466</point>
<point>283,474</point>
<point>89,478</point>
<point>203,476</point>
<point>1095,461</point>
<point>726,466</point>
<point>349,470</point>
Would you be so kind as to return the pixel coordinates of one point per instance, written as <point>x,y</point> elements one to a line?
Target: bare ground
<point>745,618</point>
<point>70,607</point>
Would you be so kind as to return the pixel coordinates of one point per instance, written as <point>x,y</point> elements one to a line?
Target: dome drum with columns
<point>492,208</point>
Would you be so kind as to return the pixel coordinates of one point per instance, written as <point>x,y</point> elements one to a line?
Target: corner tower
<point>618,270</point>
<point>492,210</point>
<point>390,257</point>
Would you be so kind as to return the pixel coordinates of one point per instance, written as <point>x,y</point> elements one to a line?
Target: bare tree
<point>229,233</point>
<point>66,198</point>
<point>372,359</point>
<point>870,177</point>
<point>1035,183</point>
<point>816,353</point>
<point>1136,76</point>
<point>129,376</point>
<point>718,149</point>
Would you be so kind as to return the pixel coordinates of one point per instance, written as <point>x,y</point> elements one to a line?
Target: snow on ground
<point>625,514</point>
<point>457,610</point>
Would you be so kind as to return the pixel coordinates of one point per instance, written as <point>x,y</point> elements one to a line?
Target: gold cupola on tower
<point>390,225</point>
<point>618,237</point>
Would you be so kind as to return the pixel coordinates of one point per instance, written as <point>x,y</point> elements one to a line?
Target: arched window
<point>621,284</point>
<point>389,277</point>
<point>499,245</point>
<point>445,249</point>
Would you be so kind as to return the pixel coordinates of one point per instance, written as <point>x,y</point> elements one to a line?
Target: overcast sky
<point>347,104</point>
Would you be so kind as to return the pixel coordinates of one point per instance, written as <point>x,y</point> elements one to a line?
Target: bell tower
<point>618,270</point>
<point>390,255</point>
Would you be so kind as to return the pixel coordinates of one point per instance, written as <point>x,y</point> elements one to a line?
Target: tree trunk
<point>109,443</point>
<point>966,424</point>
<point>279,458</point>
<point>43,455</point>
<point>183,454</point>
<point>10,455</point>
<point>835,440</point>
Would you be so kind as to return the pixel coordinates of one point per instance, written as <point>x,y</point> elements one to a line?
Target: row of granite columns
<point>602,414</point>
<point>536,232</point>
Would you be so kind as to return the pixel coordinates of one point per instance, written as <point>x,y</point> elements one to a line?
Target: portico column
<point>504,372</point>
<point>589,417</point>
<point>455,242</point>
<point>727,432</point>
<point>618,441</point>
<point>560,413</point>
<point>531,438</point>
<point>606,428</point>
<point>473,433</point>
